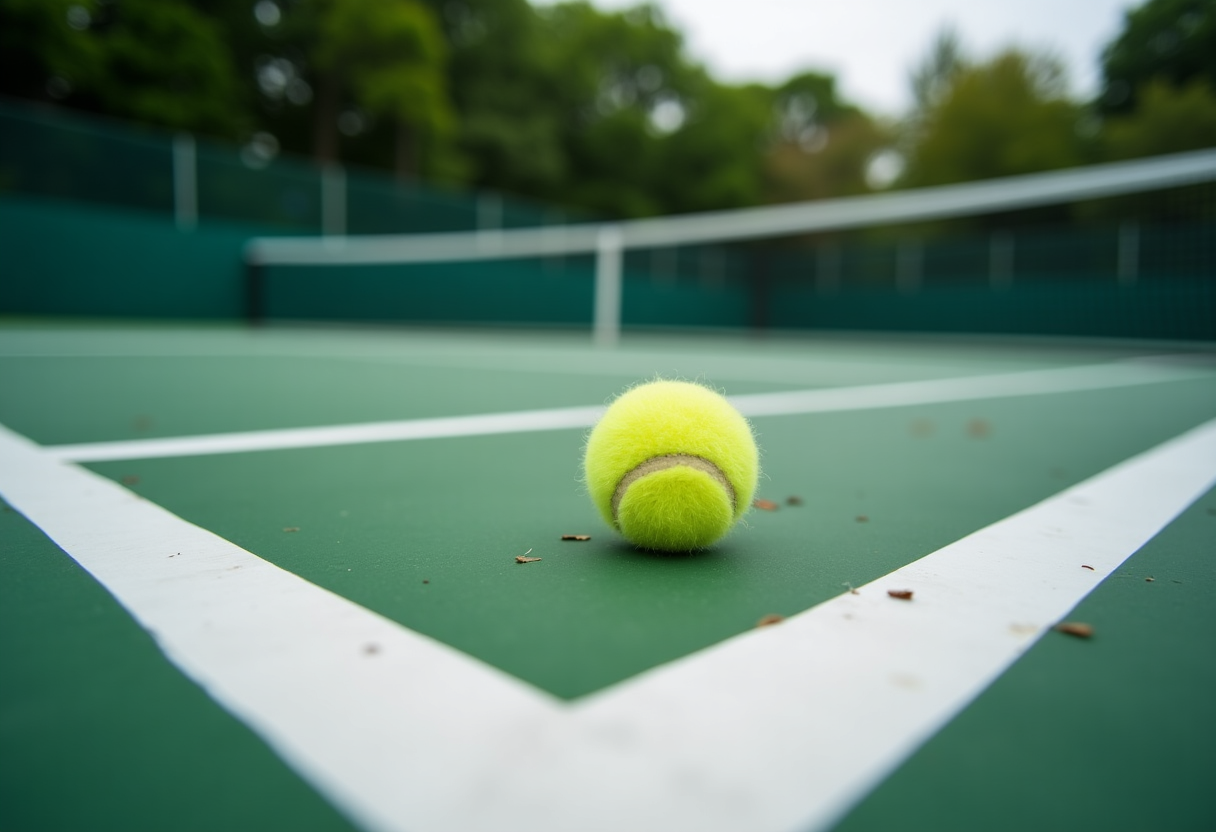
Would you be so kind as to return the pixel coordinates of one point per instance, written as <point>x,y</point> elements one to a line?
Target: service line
<point>900,394</point>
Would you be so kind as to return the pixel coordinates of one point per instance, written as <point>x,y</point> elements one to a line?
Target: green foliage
<point>935,75</point>
<point>388,56</point>
<point>821,145</point>
<point>1167,119</point>
<point>391,54</point>
<point>39,44</point>
<point>1171,40</point>
<point>161,62</point>
<point>502,73</point>
<point>166,64</point>
<point>1008,116</point>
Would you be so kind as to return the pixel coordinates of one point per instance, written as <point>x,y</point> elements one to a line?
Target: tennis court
<point>265,578</point>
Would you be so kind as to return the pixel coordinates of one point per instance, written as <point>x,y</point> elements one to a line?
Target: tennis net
<point>1120,249</point>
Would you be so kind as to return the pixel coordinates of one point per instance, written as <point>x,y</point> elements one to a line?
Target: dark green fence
<point>101,219</point>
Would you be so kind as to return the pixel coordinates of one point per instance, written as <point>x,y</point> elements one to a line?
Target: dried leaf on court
<point>978,428</point>
<point>765,505</point>
<point>525,559</point>
<point>901,594</point>
<point>1087,566</point>
<point>130,479</point>
<point>1075,628</point>
<point>291,528</point>
<point>793,500</point>
<point>771,618</point>
<point>576,537</point>
<point>861,518</point>
<point>1149,579</point>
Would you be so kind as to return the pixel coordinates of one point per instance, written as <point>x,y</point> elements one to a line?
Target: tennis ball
<point>671,465</point>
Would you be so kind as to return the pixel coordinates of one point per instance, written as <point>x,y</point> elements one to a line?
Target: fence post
<point>333,200</point>
<point>1129,252</point>
<point>185,182</point>
<point>607,326</point>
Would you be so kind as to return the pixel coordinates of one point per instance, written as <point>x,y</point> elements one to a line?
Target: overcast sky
<point>871,44</point>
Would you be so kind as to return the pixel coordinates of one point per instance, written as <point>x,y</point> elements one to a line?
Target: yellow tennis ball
<point>672,466</point>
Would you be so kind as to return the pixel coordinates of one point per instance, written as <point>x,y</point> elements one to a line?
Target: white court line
<point>775,730</point>
<point>900,394</point>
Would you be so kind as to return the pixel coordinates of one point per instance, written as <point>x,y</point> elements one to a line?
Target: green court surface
<point>100,730</point>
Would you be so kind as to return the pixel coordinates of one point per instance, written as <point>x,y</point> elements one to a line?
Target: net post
<point>607,325</point>
<point>185,182</point>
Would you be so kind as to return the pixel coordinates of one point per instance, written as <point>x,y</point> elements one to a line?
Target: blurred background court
<point>238,222</point>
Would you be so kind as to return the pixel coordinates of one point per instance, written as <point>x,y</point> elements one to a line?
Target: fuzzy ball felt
<point>671,465</point>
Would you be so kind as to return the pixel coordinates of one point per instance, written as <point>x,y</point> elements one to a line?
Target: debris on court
<point>861,518</point>
<point>130,479</point>
<point>371,649</point>
<point>901,594</point>
<point>1087,566</point>
<point>525,559</point>
<point>425,581</point>
<point>770,619</point>
<point>1149,579</point>
<point>978,428</point>
<point>793,500</point>
<point>1075,628</point>
<point>852,589</point>
<point>576,537</point>
<point>291,528</point>
<point>765,505</point>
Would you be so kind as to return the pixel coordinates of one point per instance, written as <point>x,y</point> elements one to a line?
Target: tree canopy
<point>602,111</point>
<point>1171,41</point>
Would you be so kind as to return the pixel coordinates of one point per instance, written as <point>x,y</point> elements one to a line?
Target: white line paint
<point>901,394</point>
<point>272,440</point>
<point>776,730</point>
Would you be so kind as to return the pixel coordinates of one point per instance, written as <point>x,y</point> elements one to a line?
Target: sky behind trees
<point>870,45</point>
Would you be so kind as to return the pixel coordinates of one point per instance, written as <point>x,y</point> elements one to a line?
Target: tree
<point>502,77</point>
<point>160,62</point>
<point>1167,119</point>
<point>1008,116</point>
<point>820,145</point>
<point>1170,40</point>
<point>935,75</point>
<point>44,53</point>
<point>388,55</point>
